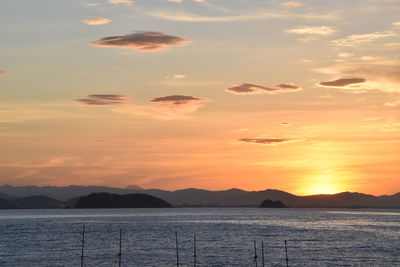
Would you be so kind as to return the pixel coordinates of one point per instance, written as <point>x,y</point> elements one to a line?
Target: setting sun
<point>322,186</point>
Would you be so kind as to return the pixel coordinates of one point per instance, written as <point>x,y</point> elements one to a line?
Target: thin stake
<point>262,254</point>
<point>120,248</point>
<point>177,249</point>
<point>255,253</point>
<point>83,244</point>
<point>287,259</point>
<point>194,251</point>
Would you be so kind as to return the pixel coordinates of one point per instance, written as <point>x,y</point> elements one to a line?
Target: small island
<point>109,201</point>
<point>272,204</point>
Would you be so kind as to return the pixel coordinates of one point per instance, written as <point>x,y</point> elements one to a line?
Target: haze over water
<point>316,237</point>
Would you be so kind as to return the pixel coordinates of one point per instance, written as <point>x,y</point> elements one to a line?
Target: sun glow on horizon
<point>323,184</point>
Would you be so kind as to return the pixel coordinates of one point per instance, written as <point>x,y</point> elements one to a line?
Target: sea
<point>224,237</point>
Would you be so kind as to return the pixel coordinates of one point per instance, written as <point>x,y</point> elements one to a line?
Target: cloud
<point>103,99</point>
<point>397,23</point>
<point>343,83</point>
<point>175,1</point>
<point>96,21</point>
<point>345,55</point>
<point>2,72</point>
<point>50,163</point>
<point>284,86</point>
<point>175,77</point>
<point>179,76</point>
<point>286,124</point>
<point>178,99</point>
<point>395,103</point>
<point>265,141</point>
<point>191,17</point>
<point>142,41</point>
<point>357,39</point>
<point>92,4</point>
<point>313,30</point>
<point>124,2</point>
<point>292,4</point>
<point>251,89</point>
<point>380,75</point>
<point>175,107</point>
<point>371,58</point>
<point>392,45</point>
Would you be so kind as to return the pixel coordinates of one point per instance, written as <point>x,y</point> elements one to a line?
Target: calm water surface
<point>316,237</point>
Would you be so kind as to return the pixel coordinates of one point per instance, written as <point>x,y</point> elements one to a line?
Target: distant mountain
<point>32,202</point>
<point>61,193</point>
<point>4,204</point>
<point>106,200</point>
<point>199,197</point>
<point>36,202</point>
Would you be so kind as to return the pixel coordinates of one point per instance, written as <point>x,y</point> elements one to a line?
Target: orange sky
<point>297,96</point>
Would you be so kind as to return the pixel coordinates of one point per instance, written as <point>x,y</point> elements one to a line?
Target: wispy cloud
<point>91,4</point>
<point>381,75</point>
<point>394,103</point>
<point>123,2</point>
<point>313,30</point>
<point>50,163</point>
<point>142,41</point>
<point>392,45</point>
<point>191,17</point>
<point>343,83</point>
<point>96,21</point>
<point>103,99</point>
<point>179,76</point>
<point>251,89</point>
<point>292,4</point>
<point>175,77</point>
<point>175,107</point>
<point>372,58</point>
<point>266,141</point>
<point>345,55</point>
<point>357,39</point>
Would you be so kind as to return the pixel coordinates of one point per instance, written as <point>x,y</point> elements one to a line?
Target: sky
<point>301,96</point>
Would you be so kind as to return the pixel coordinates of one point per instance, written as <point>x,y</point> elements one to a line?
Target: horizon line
<point>132,187</point>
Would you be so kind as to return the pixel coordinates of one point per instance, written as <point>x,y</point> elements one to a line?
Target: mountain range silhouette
<point>67,197</point>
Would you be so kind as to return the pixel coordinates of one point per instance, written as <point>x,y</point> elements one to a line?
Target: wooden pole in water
<point>262,254</point>
<point>287,259</point>
<point>194,251</point>
<point>177,249</point>
<point>120,248</point>
<point>255,252</point>
<point>83,244</point>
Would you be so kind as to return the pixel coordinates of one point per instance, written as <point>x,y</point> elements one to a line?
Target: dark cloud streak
<point>103,99</point>
<point>251,89</point>
<point>265,141</point>
<point>177,99</point>
<point>343,82</point>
